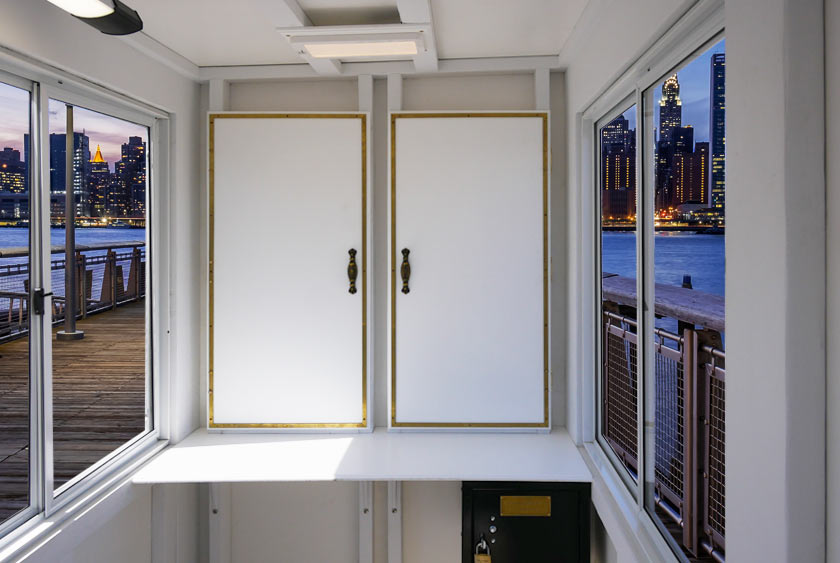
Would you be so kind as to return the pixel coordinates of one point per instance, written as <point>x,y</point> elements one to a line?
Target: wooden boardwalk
<point>99,395</point>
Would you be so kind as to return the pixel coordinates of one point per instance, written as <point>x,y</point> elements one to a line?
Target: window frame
<point>619,109</point>
<point>46,504</point>
<point>699,27</point>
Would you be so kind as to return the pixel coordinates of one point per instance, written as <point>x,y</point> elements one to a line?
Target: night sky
<point>694,93</point>
<point>109,132</point>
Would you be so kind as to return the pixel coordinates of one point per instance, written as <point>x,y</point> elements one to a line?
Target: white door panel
<point>469,336</point>
<point>287,334</point>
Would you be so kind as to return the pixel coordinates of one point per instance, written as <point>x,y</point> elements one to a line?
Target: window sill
<point>40,528</point>
<point>628,525</point>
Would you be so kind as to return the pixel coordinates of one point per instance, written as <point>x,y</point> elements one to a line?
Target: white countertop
<point>205,457</point>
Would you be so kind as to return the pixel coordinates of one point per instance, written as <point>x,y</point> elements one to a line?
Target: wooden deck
<point>98,399</point>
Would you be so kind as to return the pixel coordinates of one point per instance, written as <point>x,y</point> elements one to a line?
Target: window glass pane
<point>687,166</point>
<point>14,301</point>
<point>619,338</point>
<point>100,371</point>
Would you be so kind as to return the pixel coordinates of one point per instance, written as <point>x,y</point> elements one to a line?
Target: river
<point>703,257</point>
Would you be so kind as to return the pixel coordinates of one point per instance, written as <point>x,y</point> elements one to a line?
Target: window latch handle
<point>38,297</point>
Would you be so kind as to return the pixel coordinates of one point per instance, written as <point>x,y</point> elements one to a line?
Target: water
<point>14,280</point>
<point>703,257</point>
<point>19,236</point>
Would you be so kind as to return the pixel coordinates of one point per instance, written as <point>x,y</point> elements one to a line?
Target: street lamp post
<point>70,292</point>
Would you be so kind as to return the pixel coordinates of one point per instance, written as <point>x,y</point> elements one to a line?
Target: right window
<point>662,275</point>
<point>684,164</point>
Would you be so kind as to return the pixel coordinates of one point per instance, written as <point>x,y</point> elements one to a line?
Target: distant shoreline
<point>670,228</point>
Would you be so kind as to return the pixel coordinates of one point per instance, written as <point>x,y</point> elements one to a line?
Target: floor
<point>99,399</point>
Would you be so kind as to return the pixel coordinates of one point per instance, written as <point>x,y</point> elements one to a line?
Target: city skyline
<point>694,93</point>
<point>108,132</point>
<point>689,146</point>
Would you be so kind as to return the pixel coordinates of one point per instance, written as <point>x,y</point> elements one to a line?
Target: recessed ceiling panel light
<point>354,46</point>
<point>361,49</point>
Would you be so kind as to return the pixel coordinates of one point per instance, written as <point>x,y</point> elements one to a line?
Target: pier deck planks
<point>99,399</point>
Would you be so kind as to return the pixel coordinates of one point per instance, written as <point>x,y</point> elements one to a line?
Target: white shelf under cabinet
<point>205,457</point>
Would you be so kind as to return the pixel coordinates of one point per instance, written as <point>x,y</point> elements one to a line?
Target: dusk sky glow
<point>108,132</point>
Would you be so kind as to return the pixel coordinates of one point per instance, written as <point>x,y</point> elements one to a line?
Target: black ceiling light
<point>108,16</point>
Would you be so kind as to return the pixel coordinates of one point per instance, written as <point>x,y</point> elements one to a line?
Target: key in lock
<point>482,546</point>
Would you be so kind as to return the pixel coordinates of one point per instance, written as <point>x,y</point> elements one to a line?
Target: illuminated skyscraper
<point>717,131</point>
<point>98,181</point>
<point>618,169</point>
<point>81,170</point>
<point>671,133</point>
<point>670,109</point>
<point>131,170</point>
<point>12,172</point>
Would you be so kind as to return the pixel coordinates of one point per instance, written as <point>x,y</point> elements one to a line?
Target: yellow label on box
<point>521,505</point>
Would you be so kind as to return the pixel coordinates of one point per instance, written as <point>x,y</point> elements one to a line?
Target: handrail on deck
<point>101,283</point>
<point>689,422</point>
<point>21,251</point>
<point>688,305</point>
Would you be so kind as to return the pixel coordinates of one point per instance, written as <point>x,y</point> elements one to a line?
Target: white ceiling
<point>243,32</point>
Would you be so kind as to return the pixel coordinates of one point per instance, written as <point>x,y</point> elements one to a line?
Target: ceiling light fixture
<point>111,17</point>
<point>356,46</point>
<point>86,8</point>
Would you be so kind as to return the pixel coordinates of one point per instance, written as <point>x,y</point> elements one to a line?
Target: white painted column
<point>542,89</point>
<point>832,104</point>
<point>219,522</point>
<point>394,522</point>
<point>394,92</point>
<point>775,281</point>
<point>365,521</point>
<point>218,95</point>
<point>219,494</point>
<point>365,92</point>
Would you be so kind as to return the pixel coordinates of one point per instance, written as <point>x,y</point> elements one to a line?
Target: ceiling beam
<point>283,13</point>
<point>326,67</point>
<point>420,12</point>
<point>379,69</point>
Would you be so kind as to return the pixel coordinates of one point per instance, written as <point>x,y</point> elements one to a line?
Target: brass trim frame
<point>363,117</point>
<point>543,115</point>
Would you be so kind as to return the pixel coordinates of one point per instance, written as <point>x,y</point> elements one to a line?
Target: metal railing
<point>689,423</point>
<point>108,275</point>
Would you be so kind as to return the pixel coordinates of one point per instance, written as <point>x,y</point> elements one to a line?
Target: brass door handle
<point>405,271</point>
<point>352,270</point>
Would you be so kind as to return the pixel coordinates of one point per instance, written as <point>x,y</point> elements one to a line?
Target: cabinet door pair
<point>290,271</point>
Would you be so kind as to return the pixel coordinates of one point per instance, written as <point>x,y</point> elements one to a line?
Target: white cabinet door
<point>288,340</point>
<point>469,341</point>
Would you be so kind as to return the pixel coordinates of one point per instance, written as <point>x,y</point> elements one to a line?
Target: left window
<point>76,294</point>
<point>15,267</point>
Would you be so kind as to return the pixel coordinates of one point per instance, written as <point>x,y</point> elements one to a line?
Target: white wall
<point>295,522</point>
<point>465,92</point>
<point>832,160</point>
<point>103,534</point>
<point>120,530</point>
<point>775,288</point>
<point>431,522</point>
<point>295,95</point>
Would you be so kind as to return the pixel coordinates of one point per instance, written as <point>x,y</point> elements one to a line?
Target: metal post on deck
<point>691,438</point>
<point>70,292</point>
